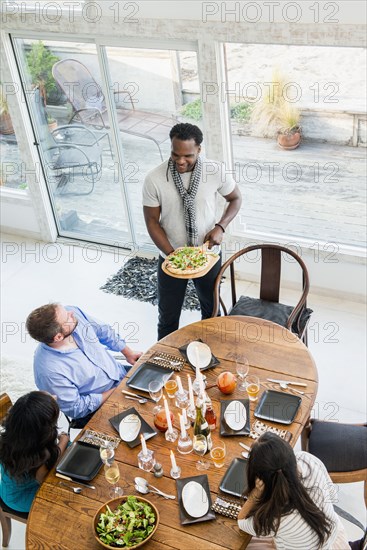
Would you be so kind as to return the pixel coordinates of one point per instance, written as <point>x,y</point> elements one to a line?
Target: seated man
<point>72,362</point>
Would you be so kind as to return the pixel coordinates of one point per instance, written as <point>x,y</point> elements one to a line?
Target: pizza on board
<point>187,260</point>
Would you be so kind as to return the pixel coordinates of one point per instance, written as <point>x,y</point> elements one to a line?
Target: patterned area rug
<point>137,280</point>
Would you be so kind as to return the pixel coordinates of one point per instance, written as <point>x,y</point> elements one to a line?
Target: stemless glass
<point>242,368</point>
<point>106,451</point>
<point>155,388</point>
<point>112,475</point>
<point>200,446</point>
<point>253,387</point>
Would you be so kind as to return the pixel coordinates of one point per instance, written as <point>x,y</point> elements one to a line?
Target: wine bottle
<point>201,425</point>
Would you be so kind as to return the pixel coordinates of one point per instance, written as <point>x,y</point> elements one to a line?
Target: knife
<point>137,395</point>
<point>75,481</point>
<point>289,382</point>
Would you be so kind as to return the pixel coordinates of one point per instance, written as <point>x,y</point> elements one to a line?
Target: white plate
<point>199,354</point>
<point>235,415</point>
<point>195,500</point>
<point>129,427</point>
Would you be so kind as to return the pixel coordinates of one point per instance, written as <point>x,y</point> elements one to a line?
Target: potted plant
<point>275,116</point>
<point>289,133</point>
<point>40,61</point>
<point>6,125</point>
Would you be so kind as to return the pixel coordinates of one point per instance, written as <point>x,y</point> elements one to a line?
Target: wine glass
<point>112,475</point>
<point>106,451</point>
<point>155,388</point>
<point>200,446</point>
<point>242,368</point>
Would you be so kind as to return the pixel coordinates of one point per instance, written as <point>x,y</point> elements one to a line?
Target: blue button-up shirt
<point>79,376</point>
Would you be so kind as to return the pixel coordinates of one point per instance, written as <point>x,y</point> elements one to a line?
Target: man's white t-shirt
<point>294,533</point>
<point>160,190</point>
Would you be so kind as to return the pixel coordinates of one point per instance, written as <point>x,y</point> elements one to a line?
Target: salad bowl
<point>138,511</point>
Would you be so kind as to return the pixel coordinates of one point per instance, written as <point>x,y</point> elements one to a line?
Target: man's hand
<point>215,236</point>
<point>131,355</point>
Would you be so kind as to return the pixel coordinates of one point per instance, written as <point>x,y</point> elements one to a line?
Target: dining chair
<point>267,306</point>
<point>6,513</point>
<point>89,105</point>
<point>341,447</point>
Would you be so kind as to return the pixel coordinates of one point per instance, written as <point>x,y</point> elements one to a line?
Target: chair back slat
<point>270,274</point>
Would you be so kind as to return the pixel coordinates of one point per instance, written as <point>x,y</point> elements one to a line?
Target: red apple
<point>226,382</point>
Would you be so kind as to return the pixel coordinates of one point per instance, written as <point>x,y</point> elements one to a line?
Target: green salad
<point>187,258</point>
<point>131,523</point>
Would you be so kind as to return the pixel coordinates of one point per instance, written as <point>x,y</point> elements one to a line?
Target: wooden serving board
<point>212,261</point>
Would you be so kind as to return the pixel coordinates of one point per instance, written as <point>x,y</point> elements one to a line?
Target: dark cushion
<point>272,311</point>
<point>6,508</point>
<point>341,447</point>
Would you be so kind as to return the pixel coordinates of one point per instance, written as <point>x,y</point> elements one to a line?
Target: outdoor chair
<point>68,151</point>
<point>267,306</point>
<point>89,105</point>
<point>6,513</point>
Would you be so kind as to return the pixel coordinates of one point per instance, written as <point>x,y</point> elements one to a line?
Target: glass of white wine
<point>112,475</point>
<point>200,446</point>
<point>106,451</point>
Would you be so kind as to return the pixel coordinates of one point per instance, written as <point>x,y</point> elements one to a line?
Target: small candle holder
<point>176,473</point>
<point>182,399</point>
<point>184,445</point>
<point>146,461</point>
<point>196,385</point>
<point>171,435</point>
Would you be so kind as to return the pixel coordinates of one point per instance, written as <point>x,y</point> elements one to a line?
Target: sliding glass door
<point>101,118</point>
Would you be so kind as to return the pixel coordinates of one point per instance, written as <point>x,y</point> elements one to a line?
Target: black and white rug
<point>137,280</point>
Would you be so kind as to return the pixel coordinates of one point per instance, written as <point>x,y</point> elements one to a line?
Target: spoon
<point>141,401</point>
<point>284,386</point>
<point>143,484</point>
<point>76,490</point>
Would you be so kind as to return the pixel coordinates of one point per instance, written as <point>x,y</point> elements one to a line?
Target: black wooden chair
<point>341,447</point>
<point>6,513</point>
<point>267,306</point>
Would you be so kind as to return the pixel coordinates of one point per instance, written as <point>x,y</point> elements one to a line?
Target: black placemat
<point>278,407</point>
<point>225,430</point>
<point>185,517</point>
<point>213,363</point>
<point>145,429</point>
<point>234,481</point>
<point>147,372</point>
<point>80,461</point>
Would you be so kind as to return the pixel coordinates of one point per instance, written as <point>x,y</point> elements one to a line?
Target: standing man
<point>179,199</point>
<point>72,361</point>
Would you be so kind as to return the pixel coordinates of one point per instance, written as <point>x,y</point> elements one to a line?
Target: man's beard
<point>69,333</point>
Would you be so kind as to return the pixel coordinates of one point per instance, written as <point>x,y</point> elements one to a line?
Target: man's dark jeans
<point>171,294</point>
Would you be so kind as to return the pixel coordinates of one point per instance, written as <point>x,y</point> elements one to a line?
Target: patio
<point>316,191</point>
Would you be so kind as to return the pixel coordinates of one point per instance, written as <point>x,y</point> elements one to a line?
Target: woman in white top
<point>290,498</point>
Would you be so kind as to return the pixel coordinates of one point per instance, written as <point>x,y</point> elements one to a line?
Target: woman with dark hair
<point>29,448</point>
<point>289,498</point>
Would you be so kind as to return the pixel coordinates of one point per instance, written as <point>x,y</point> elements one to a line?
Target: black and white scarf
<point>188,198</point>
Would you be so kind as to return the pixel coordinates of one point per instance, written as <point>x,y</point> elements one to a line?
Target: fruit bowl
<point>130,501</point>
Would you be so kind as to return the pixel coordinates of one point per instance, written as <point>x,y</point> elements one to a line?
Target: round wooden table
<point>62,520</point>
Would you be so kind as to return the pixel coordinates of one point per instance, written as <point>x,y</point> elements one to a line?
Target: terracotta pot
<point>289,141</point>
<point>52,125</point>
<point>6,125</point>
